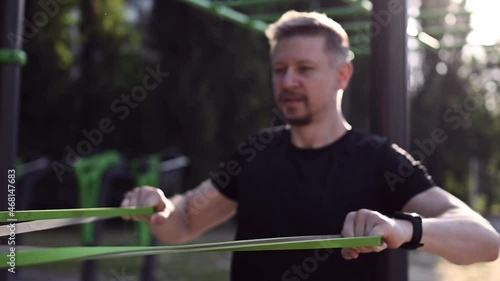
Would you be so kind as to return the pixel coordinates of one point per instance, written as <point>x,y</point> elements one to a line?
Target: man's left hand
<point>371,223</point>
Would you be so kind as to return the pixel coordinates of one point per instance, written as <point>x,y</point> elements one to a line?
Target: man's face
<point>305,81</point>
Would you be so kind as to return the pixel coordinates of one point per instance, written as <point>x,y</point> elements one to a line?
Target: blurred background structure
<point>131,84</point>
<point>88,57</point>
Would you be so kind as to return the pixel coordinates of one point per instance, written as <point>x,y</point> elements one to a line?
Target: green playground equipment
<point>241,12</point>
<point>92,192</point>
<point>89,173</point>
<point>93,174</point>
<point>13,56</point>
<point>147,173</point>
<point>19,169</point>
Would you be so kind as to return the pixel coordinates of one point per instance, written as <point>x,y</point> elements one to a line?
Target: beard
<point>289,115</point>
<point>300,121</point>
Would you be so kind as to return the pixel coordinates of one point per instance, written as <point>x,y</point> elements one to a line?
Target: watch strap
<point>416,220</point>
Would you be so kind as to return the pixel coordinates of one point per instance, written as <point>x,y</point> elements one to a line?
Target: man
<point>319,176</point>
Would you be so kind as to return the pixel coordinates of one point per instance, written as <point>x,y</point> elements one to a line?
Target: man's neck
<point>319,134</point>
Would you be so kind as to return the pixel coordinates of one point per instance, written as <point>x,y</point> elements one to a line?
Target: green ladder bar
<point>219,9</point>
<point>147,173</point>
<point>335,13</point>
<point>13,56</point>
<point>89,172</point>
<point>150,176</point>
<point>257,3</point>
<point>19,169</point>
<point>440,13</point>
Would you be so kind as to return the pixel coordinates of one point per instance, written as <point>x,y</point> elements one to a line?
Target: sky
<point>485,20</point>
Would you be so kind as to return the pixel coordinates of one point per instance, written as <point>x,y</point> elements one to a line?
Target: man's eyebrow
<point>306,61</point>
<point>301,61</point>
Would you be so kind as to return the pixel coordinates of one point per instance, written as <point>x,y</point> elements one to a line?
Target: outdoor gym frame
<point>389,116</point>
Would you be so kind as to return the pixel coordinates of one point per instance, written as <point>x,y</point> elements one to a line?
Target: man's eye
<point>279,70</point>
<point>305,68</point>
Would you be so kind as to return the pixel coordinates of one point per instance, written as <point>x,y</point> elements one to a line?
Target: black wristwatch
<point>416,221</point>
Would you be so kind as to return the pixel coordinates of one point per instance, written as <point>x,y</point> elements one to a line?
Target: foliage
<point>64,91</point>
<point>444,101</point>
<point>218,89</point>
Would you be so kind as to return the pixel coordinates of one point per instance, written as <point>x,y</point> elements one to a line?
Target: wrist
<point>406,229</point>
<point>415,229</point>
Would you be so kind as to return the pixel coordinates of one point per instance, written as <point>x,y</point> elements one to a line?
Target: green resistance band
<point>12,229</point>
<point>31,215</point>
<point>9,256</point>
<point>13,56</point>
<point>41,256</point>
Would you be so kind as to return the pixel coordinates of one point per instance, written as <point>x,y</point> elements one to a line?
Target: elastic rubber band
<point>50,255</point>
<point>31,215</point>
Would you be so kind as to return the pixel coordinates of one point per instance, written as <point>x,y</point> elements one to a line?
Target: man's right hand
<point>148,196</point>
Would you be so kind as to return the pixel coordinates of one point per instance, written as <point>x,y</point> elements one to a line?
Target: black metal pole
<point>11,14</point>
<point>389,116</point>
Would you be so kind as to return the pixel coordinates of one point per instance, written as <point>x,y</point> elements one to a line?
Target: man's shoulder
<point>361,139</point>
<point>357,138</point>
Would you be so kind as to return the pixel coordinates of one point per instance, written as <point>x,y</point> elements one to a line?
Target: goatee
<point>299,121</point>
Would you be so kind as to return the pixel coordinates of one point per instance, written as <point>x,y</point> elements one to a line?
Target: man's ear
<point>344,71</point>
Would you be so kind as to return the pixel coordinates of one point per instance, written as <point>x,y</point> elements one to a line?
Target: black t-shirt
<point>282,190</point>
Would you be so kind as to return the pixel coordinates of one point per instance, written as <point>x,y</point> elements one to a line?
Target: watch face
<point>407,216</point>
<point>415,215</point>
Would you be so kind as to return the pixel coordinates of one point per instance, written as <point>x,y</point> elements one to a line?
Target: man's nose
<point>290,79</point>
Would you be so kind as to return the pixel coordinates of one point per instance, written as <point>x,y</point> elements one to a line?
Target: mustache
<point>286,95</point>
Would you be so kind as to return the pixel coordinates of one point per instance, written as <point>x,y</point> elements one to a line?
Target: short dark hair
<point>294,23</point>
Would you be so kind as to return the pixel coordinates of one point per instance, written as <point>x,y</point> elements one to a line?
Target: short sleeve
<point>402,176</point>
<point>225,177</point>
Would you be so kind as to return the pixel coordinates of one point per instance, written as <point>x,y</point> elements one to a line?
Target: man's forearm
<point>461,236</point>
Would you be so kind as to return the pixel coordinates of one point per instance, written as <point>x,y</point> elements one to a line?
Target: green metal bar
<point>345,11</point>
<point>219,9</point>
<point>356,26</point>
<point>355,2</point>
<point>338,12</point>
<point>150,177</point>
<point>89,172</point>
<point>361,52</point>
<point>359,40</point>
<point>254,3</point>
<point>358,3</point>
<point>19,168</point>
<point>266,17</point>
<point>439,13</point>
<point>442,47</point>
<point>438,31</point>
<point>13,56</point>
